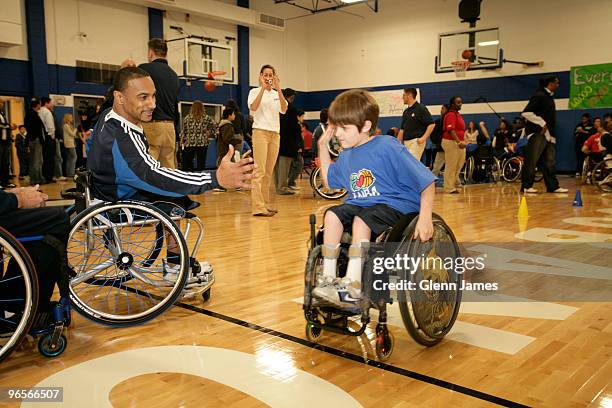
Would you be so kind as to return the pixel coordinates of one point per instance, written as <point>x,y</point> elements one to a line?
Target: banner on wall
<point>591,86</point>
<point>391,103</point>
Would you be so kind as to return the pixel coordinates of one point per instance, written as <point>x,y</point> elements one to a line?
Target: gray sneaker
<point>340,292</point>
<point>326,289</point>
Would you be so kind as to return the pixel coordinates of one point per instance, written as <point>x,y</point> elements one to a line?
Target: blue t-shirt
<point>381,171</point>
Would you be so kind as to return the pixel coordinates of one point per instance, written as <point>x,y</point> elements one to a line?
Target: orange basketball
<point>209,86</point>
<point>467,54</point>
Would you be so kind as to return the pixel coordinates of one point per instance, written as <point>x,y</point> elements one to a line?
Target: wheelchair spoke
<point>96,270</point>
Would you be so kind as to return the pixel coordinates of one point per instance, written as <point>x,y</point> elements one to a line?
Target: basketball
<point>467,54</point>
<point>210,86</point>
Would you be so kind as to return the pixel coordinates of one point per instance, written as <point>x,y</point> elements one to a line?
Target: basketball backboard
<point>480,46</point>
<point>203,58</point>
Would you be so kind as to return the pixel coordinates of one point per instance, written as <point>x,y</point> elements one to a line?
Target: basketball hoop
<point>460,67</point>
<point>211,84</point>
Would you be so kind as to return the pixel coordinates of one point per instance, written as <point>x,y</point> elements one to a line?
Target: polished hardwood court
<point>551,352</point>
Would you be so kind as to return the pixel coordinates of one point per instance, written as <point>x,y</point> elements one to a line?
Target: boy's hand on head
<point>423,229</point>
<point>326,136</point>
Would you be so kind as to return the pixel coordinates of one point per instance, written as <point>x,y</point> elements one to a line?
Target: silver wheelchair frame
<point>105,222</point>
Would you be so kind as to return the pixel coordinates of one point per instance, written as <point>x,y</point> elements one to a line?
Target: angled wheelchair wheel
<point>429,313</point>
<point>125,272</point>
<point>18,293</point>
<point>584,176</point>
<point>468,170</point>
<point>496,170</point>
<point>601,176</point>
<point>316,182</point>
<point>512,168</point>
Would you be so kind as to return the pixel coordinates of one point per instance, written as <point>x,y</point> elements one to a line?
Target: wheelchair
<point>588,165</point>
<point>123,272</point>
<point>19,303</point>
<point>316,181</point>
<point>481,166</point>
<point>601,176</point>
<point>512,168</point>
<point>428,315</point>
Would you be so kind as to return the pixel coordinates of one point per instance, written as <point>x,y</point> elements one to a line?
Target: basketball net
<point>460,67</point>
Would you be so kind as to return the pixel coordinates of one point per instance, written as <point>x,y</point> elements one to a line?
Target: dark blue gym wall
<point>156,23</point>
<point>37,47</point>
<point>242,93</point>
<point>502,89</point>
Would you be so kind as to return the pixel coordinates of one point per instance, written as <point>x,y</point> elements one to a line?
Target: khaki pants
<point>415,148</point>
<point>265,153</point>
<point>455,159</point>
<point>162,142</point>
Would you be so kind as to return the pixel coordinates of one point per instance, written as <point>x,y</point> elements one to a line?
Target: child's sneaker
<point>349,292</point>
<point>340,292</point>
<point>326,289</point>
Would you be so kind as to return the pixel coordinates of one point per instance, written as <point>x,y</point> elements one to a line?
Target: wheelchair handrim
<point>19,254</point>
<point>163,304</point>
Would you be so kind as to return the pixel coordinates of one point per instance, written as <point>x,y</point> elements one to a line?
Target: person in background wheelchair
<point>593,146</point>
<point>23,214</point>
<point>383,180</point>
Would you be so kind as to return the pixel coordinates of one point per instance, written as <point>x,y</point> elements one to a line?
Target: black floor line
<point>359,359</point>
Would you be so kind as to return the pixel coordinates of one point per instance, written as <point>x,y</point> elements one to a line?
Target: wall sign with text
<point>590,86</point>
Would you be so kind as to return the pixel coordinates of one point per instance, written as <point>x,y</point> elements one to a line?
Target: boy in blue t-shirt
<point>384,182</point>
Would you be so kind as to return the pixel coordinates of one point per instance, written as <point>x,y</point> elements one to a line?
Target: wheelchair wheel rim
<point>12,250</point>
<point>317,185</point>
<point>125,288</point>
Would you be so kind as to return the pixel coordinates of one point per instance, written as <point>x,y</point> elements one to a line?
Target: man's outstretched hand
<point>236,175</point>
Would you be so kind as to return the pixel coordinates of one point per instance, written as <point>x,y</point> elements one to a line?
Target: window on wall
<point>95,72</point>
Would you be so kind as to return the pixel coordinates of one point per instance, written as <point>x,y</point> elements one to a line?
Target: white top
<point>47,119</point>
<point>266,116</point>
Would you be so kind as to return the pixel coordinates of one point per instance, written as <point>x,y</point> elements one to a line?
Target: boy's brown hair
<point>354,107</point>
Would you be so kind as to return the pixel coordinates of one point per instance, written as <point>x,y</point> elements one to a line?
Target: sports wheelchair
<point>512,168</point>
<point>589,163</point>
<point>428,315</point>
<point>601,176</point>
<point>314,172</point>
<point>122,272</point>
<point>19,302</point>
<point>481,166</point>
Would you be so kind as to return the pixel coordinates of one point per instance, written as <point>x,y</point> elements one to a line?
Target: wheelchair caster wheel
<point>384,343</point>
<point>313,333</point>
<point>44,345</point>
<point>206,295</point>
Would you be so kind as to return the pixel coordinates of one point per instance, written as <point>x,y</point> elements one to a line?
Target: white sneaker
<point>560,190</point>
<point>531,190</point>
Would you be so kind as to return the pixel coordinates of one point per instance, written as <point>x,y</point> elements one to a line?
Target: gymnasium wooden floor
<point>250,336</point>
